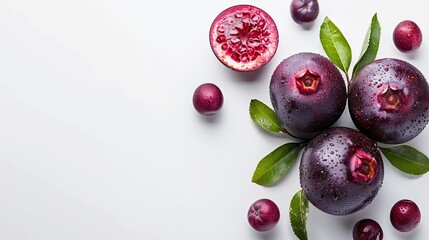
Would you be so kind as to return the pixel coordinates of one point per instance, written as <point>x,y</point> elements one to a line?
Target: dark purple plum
<point>207,99</point>
<point>341,171</point>
<point>407,36</point>
<point>405,215</point>
<point>304,11</point>
<point>389,101</point>
<point>367,229</point>
<point>308,94</point>
<point>263,215</point>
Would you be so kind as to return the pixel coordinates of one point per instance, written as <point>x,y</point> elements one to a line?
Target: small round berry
<point>304,11</point>
<point>207,99</point>
<point>405,215</point>
<point>407,36</point>
<point>367,229</point>
<point>263,215</point>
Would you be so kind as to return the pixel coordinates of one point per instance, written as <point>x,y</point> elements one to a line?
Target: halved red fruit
<point>244,37</point>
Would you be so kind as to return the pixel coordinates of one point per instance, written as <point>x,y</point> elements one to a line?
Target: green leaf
<point>335,45</point>
<point>264,116</point>
<point>298,212</point>
<point>273,166</point>
<point>370,46</point>
<point>407,159</point>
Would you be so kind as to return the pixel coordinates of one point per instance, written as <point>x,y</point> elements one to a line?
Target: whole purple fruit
<point>389,101</point>
<point>405,215</point>
<point>308,94</point>
<point>341,171</point>
<point>304,11</point>
<point>367,229</point>
<point>407,36</point>
<point>263,215</point>
<point>207,99</point>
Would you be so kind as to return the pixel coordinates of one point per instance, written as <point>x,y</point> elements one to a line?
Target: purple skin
<point>207,99</point>
<point>308,94</point>
<point>263,215</point>
<point>341,171</point>
<point>304,11</point>
<point>367,229</point>
<point>407,36</point>
<point>389,101</point>
<point>405,215</point>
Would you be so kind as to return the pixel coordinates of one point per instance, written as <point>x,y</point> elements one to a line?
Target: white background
<point>99,138</point>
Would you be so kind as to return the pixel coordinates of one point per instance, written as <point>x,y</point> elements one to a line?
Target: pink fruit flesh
<point>244,37</point>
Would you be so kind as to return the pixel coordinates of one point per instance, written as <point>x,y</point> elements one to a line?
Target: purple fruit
<point>263,215</point>
<point>207,99</point>
<point>405,215</point>
<point>367,229</point>
<point>341,171</point>
<point>389,101</point>
<point>308,94</point>
<point>407,36</point>
<point>304,11</point>
<point>244,37</point>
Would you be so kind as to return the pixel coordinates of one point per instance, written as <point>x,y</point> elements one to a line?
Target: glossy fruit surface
<point>405,215</point>
<point>389,101</point>
<point>263,215</point>
<point>407,36</point>
<point>367,229</point>
<point>244,37</point>
<point>207,99</point>
<point>304,11</point>
<point>308,94</point>
<point>341,171</point>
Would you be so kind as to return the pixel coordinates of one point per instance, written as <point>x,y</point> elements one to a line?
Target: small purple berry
<point>405,215</point>
<point>407,36</point>
<point>367,229</point>
<point>263,215</point>
<point>207,99</point>
<point>304,11</point>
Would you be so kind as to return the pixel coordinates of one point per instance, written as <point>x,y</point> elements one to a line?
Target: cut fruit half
<point>244,37</point>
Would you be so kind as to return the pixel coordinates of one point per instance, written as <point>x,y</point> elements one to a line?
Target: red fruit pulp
<point>244,37</point>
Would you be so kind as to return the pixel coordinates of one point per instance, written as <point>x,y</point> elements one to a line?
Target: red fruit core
<point>244,37</point>
<point>363,167</point>
<point>307,82</point>
<point>391,99</point>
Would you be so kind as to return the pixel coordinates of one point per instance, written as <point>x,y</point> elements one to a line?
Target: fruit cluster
<point>341,169</point>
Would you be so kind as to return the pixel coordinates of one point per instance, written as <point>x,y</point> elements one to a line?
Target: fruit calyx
<point>391,99</point>
<point>307,82</point>
<point>363,167</point>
